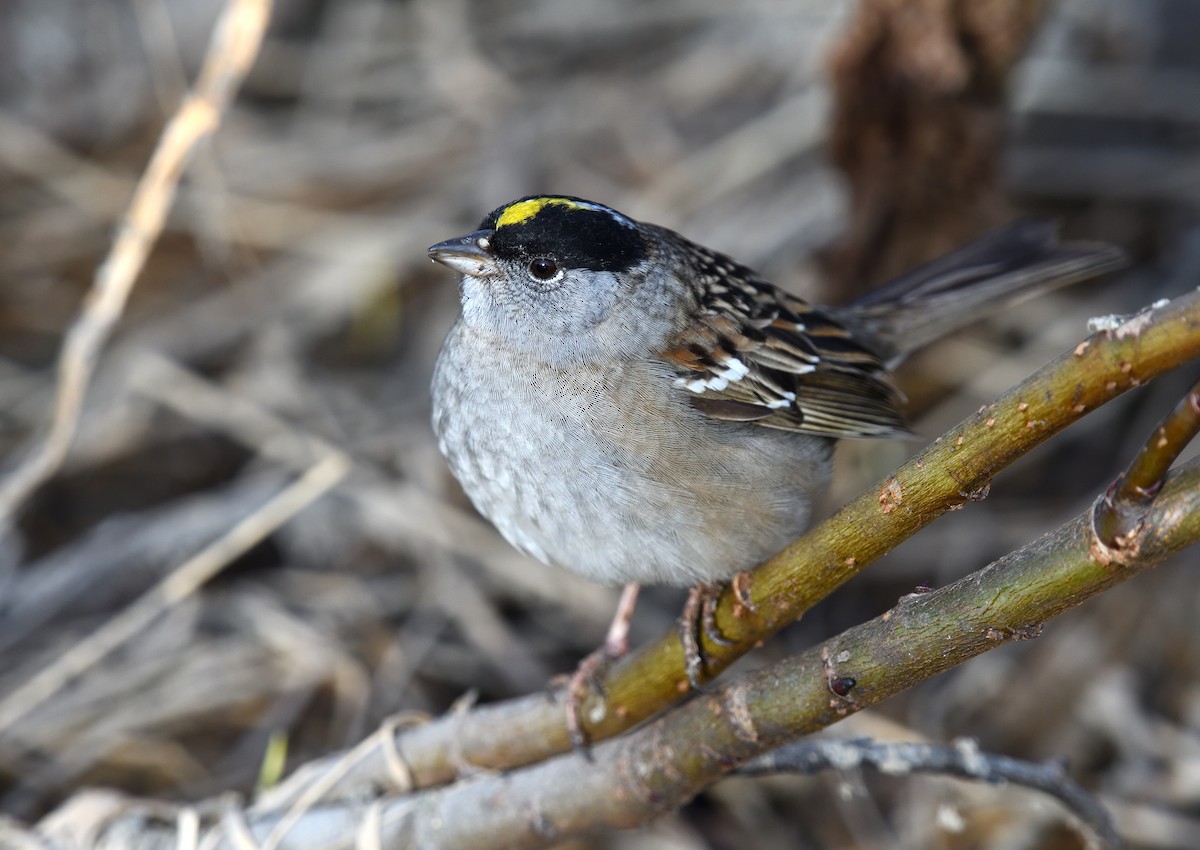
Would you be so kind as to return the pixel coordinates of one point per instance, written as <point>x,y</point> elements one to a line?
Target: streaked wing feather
<point>757,354</point>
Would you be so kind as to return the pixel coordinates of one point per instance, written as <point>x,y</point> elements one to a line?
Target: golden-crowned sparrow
<point>630,405</point>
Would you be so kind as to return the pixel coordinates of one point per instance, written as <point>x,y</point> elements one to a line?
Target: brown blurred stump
<point>919,127</point>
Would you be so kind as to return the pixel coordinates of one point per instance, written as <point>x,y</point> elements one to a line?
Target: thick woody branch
<point>946,476</point>
<point>954,471</point>
<point>633,779</point>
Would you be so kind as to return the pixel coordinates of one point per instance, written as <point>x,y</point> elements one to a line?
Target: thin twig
<point>1123,508</point>
<point>232,50</point>
<point>963,759</point>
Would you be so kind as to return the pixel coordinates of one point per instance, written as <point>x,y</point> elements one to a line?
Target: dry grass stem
<point>234,47</point>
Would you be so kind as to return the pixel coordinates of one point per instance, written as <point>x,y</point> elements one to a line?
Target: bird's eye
<point>543,268</point>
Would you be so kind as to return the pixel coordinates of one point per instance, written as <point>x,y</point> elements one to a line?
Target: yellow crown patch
<point>523,211</point>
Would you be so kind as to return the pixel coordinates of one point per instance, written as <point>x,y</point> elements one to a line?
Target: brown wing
<point>757,354</point>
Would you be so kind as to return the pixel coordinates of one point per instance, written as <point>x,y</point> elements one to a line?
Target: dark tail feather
<point>1022,259</point>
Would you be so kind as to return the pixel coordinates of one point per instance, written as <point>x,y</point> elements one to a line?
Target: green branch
<point>947,475</point>
<point>634,779</point>
<point>955,470</point>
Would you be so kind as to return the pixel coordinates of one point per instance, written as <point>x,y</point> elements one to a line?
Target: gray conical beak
<point>470,254</point>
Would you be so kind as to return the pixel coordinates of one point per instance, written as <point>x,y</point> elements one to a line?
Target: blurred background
<point>290,301</point>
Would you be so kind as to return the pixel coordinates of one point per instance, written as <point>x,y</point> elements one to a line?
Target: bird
<point>623,402</point>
